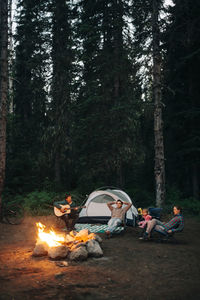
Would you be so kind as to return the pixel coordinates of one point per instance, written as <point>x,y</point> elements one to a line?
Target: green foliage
<point>39,203</point>
<point>182,113</point>
<point>141,197</point>
<point>77,110</point>
<point>190,205</point>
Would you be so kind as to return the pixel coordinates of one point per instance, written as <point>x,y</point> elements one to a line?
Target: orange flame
<point>50,238</point>
<point>53,239</point>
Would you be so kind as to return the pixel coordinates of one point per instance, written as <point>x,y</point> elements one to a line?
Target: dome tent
<point>97,211</point>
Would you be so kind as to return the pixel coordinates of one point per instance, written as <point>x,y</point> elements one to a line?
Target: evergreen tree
<point>107,105</point>
<point>29,103</point>
<point>159,168</point>
<point>147,28</point>
<point>3,89</point>
<point>182,94</point>
<point>60,113</point>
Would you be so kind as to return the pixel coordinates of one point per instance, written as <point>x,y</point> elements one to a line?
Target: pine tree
<point>107,103</point>
<point>182,95</point>
<point>60,114</point>
<point>3,89</point>
<point>29,102</point>
<point>159,169</point>
<point>147,26</point>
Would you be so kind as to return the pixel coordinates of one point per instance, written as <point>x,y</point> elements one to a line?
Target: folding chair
<point>167,237</point>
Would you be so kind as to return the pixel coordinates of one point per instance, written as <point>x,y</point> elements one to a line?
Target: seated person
<point>117,215</point>
<point>176,224</point>
<point>68,212</point>
<point>145,218</point>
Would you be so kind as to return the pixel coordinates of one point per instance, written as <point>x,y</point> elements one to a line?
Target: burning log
<point>74,246</point>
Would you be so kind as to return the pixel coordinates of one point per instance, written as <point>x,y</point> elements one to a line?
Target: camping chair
<point>155,212</point>
<point>167,237</point>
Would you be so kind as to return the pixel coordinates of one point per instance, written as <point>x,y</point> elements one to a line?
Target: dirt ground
<point>129,269</point>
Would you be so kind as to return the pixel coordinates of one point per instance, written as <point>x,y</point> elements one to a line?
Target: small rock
<point>62,264</point>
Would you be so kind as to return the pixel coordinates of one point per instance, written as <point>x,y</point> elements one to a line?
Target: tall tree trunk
<point>11,54</point>
<point>57,168</point>
<point>159,167</point>
<point>3,88</point>
<point>195,181</point>
<point>61,84</point>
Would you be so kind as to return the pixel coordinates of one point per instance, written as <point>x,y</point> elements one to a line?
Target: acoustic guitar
<point>67,210</point>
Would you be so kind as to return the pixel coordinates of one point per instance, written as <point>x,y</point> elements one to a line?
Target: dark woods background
<point>80,102</point>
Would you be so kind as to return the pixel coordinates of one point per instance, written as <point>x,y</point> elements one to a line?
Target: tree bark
<point>195,181</point>
<point>159,167</point>
<point>10,56</point>
<point>3,89</point>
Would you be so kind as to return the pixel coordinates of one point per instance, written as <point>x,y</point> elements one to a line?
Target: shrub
<point>190,205</point>
<point>39,203</point>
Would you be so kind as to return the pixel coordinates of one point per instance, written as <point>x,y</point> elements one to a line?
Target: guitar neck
<point>77,207</point>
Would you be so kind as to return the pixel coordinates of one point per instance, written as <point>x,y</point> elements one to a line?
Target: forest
<point>100,93</point>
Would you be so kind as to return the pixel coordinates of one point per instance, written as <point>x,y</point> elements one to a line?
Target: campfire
<point>50,238</point>
<point>73,246</point>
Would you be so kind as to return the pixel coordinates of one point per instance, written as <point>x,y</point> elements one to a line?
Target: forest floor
<point>129,269</point>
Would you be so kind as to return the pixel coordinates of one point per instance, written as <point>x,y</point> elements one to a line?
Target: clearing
<point>129,269</point>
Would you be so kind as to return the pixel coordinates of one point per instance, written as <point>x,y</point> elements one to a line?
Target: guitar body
<point>59,213</point>
<point>67,210</point>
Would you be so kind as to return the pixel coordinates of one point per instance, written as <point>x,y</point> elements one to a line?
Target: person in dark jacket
<point>66,211</point>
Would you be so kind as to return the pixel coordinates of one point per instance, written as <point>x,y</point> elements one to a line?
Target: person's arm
<point>175,224</point>
<point>180,225</point>
<point>148,218</point>
<point>109,204</point>
<point>128,205</point>
<point>59,204</point>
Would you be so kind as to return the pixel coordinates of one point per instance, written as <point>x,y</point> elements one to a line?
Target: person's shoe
<point>140,238</point>
<point>108,234</point>
<point>145,236</point>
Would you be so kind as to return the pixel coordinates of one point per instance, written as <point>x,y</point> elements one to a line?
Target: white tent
<point>97,211</point>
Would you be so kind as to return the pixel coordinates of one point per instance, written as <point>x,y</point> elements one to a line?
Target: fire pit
<point>72,246</point>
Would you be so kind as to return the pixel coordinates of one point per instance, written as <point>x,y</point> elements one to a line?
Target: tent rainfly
<point>96,210</point>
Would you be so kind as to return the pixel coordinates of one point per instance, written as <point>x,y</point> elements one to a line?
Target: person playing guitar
<point>65,210</point>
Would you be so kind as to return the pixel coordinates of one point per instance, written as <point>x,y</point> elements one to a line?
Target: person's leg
<point>151,224</point>
<point>72,222</point>
<point>160,229</point>
<point>65,219</point>
<point>142,232</point>
<point>113,223</point>
<point>71,219</point>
